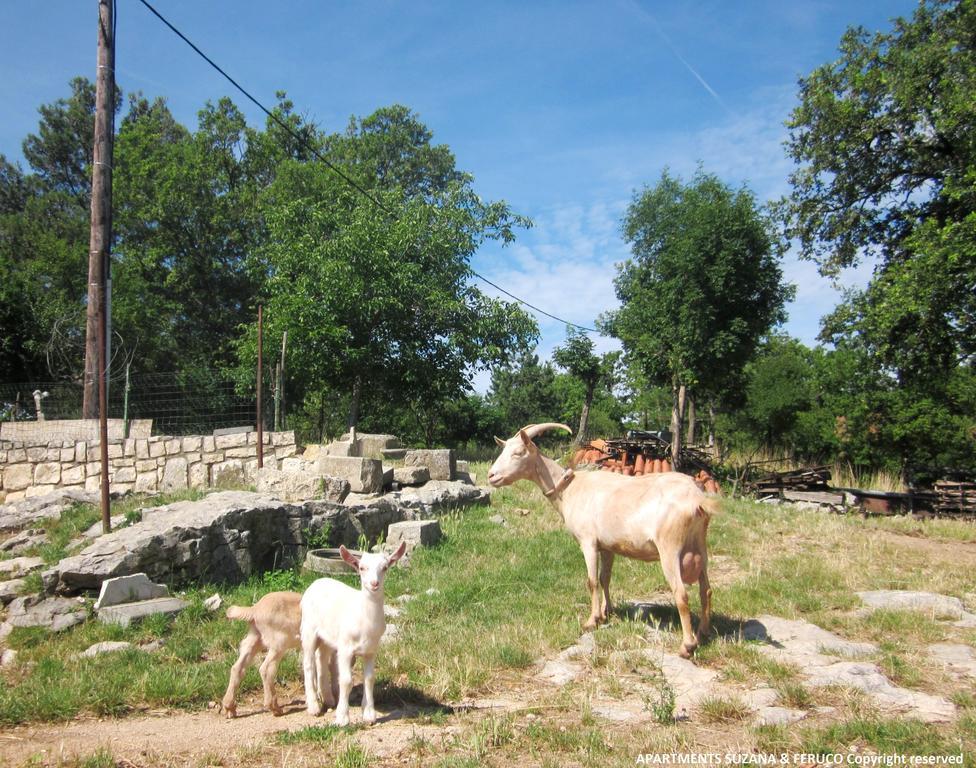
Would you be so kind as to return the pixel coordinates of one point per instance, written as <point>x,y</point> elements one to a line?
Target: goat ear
<point>348,556</point>
<point>527,440</point>
<point>398,553</point>
<point>499,441</point>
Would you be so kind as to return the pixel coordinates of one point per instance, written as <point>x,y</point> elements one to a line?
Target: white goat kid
<point>340,623</point>
<point>662,516</point>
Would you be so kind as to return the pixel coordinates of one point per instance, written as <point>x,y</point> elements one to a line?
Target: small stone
<point>109,646</point>
<point>213,603</point>
<point>559,672</point>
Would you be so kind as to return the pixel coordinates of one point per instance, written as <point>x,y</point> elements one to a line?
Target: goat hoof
<point>369,717</point>
<point>687,650</point>
<point>590,625</point>
<point>342,720</point>
<point>314,710</point>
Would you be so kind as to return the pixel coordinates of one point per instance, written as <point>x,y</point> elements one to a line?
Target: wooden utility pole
<point>260,416</point>
<point>101,205</point>
<point>96,362</point>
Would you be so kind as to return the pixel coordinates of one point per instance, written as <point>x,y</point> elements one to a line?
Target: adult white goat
<point>663,516</point>
<point>338,624</point>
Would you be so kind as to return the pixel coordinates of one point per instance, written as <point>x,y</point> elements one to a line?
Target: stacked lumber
<point>954,496</point>
<point>806,479</point>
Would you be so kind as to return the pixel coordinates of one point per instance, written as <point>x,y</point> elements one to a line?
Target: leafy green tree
<point>883,137</point>
<point>703,286</point>
<point>375,293</point>
<point>577,357</point>
<point>524,393</point>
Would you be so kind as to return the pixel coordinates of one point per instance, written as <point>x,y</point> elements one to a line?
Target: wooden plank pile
<point>954,497</point>
<point>806,479</point>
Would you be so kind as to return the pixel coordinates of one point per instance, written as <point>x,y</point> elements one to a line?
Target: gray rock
<point>9,589</point>
<point>439,495</point>
<point>213,603</point>
<point>129,589</point>
<point>868,678</point>
<point>559,672</point>
<point>109,646</point>
<point>803,638</point>
<point>498,520</point>
<point>301,485</point>
<point>959,659</point>
<point>364,475</point>
<point>585,647</point>
<point>54,613</point>
<point>416,533</point>
<point>935,605</point>
<point>8,657</point>
<point>392,632</point>
<point>126,613</point>
<point>94,531</point>
<point>222,538</point>
<point>440,462</point>
<point>23,541</point>
<point>22,513</point>
<point>759,698</point>
<point>615,712</point>
<point>778,716</point>
<point>411,475</point>
<point>20,566</point>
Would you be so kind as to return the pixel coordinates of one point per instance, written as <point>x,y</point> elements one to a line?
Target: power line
<point>332,166</point>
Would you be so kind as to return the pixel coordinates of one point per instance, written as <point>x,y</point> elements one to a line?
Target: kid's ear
<point>398,553</point>
<point>348,556</point>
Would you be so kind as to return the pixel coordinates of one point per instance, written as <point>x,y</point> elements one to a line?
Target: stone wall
<point>143,465</point>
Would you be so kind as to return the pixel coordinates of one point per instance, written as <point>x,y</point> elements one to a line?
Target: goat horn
<point>536,429</point>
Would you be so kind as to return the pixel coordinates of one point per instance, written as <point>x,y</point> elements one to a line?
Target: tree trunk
<point>712,441</point>
<point>677,421</point>
<point>584,418</point>
<point>353,420</point>
<point>692,423</point>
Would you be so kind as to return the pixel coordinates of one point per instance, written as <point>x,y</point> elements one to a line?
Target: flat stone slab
<point>778,716</point>
<point>959,659</point>
<point>20,514</point>
<point>23,541</point>
<point>691,684</point>
<point>129,589</point>
<point>867,677</point>
<point>585,647</point>
<point>935,605</point>
<point>798,642</point>
<point>94,531</point>
<point>559,672</point>
<point>126,613</point>
<point>437,496</point>
<point>20,566</point>
<point>54,613</point>
<point>109,646</point>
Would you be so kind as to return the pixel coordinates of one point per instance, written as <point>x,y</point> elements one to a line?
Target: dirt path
<point>178,738</point>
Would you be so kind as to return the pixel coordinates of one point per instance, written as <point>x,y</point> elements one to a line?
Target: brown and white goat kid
<point>662,516</point>
<point>274,622</point>
<point>338,624</point>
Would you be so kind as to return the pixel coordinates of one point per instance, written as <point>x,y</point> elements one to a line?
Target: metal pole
<point>259,416</point>
<point>96,346</point>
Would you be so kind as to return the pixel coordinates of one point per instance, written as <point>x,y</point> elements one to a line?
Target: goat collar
<point>561,483</point>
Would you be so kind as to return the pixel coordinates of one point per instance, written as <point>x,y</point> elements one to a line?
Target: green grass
<point>489,601</point>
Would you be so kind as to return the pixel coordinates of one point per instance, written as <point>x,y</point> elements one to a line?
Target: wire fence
<point>152,403</point>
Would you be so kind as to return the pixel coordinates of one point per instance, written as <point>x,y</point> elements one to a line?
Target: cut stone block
<point>364,475</point>
<point>394,454</point>
<point>440,462</point>
<point>411,475</point>
<point>129,589</point>
<point>340,448</point>
<point>126,613</point>
<point>422,533</point>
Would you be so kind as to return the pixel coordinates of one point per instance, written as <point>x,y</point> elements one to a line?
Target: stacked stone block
<point>143,465</point>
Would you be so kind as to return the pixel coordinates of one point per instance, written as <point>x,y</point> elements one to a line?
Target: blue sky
<point>563,109</point>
